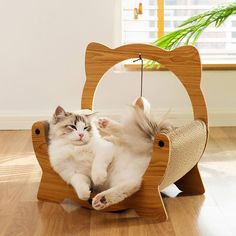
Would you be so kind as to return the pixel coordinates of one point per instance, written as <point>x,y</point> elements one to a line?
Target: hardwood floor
<point>211,214</point>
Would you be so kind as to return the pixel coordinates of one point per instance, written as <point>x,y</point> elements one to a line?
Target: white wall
<point>42,47</point>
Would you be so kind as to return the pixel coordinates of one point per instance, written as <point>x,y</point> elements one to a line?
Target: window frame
<point>160,33</point>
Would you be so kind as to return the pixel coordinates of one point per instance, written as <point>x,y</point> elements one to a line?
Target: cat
<point>133,142</point>
<point>76,149</point>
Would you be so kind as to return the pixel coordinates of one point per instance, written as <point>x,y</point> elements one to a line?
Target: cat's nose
<point>81,136</point>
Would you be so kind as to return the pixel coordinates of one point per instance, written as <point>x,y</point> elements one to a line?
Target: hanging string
<point>141,86</point>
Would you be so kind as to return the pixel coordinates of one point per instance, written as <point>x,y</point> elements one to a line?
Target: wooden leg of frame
<point>148,201</point>
<point>150,205</point>
<point>191,183</point>
<point>52,188</point>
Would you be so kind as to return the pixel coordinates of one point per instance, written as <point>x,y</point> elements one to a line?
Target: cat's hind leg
<point>116,194</point>
<point>81,183</point>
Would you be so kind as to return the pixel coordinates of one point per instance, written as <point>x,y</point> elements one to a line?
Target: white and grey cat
<point>133,142</point>
<point>75,145</point>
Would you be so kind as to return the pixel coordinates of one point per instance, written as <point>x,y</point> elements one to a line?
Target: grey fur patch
<point>80,118</point>
<point>149,125</point>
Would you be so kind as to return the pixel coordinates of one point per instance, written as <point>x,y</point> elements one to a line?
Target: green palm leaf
<point>191,29</point>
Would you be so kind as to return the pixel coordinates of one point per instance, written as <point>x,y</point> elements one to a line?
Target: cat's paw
<point>100,202</point>
<point>83,194</point>
<point>99,177</point>
<point>103,122</point>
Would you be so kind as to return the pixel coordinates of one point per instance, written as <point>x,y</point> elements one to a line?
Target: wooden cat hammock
<point>175,155</point>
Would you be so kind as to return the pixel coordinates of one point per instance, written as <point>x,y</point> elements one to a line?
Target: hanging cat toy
<point>175,156</point>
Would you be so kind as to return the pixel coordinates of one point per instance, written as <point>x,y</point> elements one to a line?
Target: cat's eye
<point>86,127</point>
<point>72,127</point>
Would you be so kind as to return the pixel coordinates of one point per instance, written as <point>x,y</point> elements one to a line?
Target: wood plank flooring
<point>212,214</point>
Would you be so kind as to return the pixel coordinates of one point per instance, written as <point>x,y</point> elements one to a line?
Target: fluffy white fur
<point>76,149</point>
<point>133,142</point>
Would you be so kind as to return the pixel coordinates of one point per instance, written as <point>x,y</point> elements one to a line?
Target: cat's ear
<point>59,111</point>
<point>59,114</point>
<point>91,115</point>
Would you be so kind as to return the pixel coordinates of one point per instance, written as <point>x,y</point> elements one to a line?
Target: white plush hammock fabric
<point>187,144</point>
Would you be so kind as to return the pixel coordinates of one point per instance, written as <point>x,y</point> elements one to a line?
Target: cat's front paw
<point>99,177</point>
<point>83,194</point>
<point>103,122</point>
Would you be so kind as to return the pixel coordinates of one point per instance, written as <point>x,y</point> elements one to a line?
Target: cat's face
<point>74,128</point>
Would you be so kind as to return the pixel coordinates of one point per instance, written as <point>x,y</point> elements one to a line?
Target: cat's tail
<point>149,125</point>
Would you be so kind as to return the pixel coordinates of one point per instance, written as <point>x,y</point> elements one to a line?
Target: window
<point>216,45</point>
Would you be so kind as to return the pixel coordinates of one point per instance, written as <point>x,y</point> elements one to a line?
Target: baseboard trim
<point>217,118</point>
<point>19,122</point>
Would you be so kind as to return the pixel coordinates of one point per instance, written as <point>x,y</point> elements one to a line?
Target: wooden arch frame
<point>185,63</point>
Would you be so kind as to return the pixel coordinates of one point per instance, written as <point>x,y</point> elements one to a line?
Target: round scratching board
<point>175,155</point>
<point>187,144</point>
